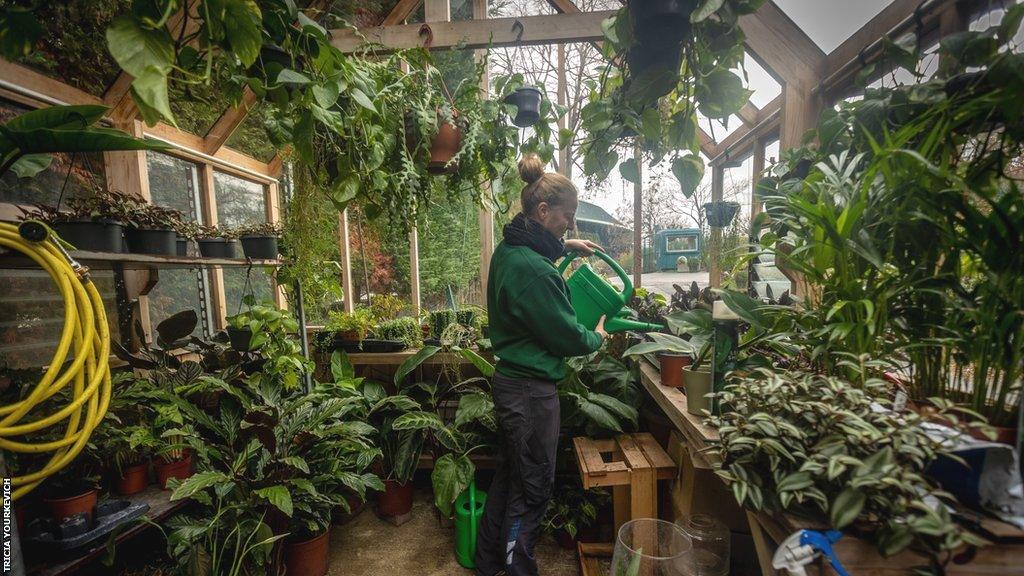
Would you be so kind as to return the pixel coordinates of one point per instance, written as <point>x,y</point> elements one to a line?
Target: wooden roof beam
<point>741,139</point>
<point>749,113</point>
<point>231,119</point>
<point>781,46</point>
<point>401,12</point>
<point>473,34</point>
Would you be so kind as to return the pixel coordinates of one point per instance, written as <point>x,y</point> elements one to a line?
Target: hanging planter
<point>240,338</point>
<point>527,102</point>
<point>444,147</point>
<point>721,214</point>
<point>659,27</point>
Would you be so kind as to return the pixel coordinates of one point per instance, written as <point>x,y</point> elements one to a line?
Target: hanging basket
<point>721,214</point>
<point>527,102</point>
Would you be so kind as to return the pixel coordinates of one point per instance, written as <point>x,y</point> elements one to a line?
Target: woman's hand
<point>600,329</point>
<point>584,247</point>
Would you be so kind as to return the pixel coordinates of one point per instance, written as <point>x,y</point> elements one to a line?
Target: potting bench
<point>696,481</point>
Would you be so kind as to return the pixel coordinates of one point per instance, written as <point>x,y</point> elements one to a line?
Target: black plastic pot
<point>93,235</point>
<point>527,102</point>
<point>720,214</point>
<point>181,246</point>
<point>260,247</point>
<point>272,60</point>
<point>659,26</point>
<point>142,241</point>
<point>216,248</point>
<point>240,338</point>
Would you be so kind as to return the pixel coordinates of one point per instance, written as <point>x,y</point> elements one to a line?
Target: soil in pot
<point>308,557</point>
<point>180,469</point>
<point>672,365</point>
<point>216,248</point>
<point>240,338</point>
<point>62,506</point>
<point>698,384</point>
<point>260,247</point>
<point>444,147</point>
<point>93,235</point>
<point>395,502</point>
<point>132,480</point>
<point>161,242</point>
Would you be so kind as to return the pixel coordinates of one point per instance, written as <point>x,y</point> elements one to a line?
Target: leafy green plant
<point>406,330</point>
<point>207,231</point>
<point>599,395</point>
<point>386,307</point>
<point>573,509</point>
<point>28,140</point>
<point>273,337</point>
<point>359,321</point>
<point>98,206</point>
<point>146,216</point>
<point>188,229</point>
<point>817,446</point>
<point>125,435</point>
<point>663,72</point>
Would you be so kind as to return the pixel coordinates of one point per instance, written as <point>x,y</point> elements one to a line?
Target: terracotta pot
<point>180,469</point>
<point>309,557</point>
<point>698,384</point>
<point>1004,435</point>
<point>355,505</point>
<point>444,147</point>
<point>395,500</point>
<point>132,480</point>
<point>347,335</point>
<point>61,508</point>
<point>672,365</point>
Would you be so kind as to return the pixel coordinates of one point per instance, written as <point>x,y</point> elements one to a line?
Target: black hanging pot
<point>93,235</point>
<point>527,102</point>
<point>720,214</point>
<point>669,18</point>
<point>216,248</point>
<point>240,338</point>
<point>272,60</point>
<point>146,241</point>
<point>260,247</point>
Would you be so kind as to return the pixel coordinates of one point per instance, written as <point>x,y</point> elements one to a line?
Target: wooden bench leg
<point>765,552</point>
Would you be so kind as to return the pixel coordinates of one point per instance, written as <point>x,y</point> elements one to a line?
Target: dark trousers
<point>517,499</point>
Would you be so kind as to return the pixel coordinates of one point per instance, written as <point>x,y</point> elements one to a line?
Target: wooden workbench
<point>1005,557</point>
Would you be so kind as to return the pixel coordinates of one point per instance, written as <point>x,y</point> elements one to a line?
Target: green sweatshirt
<point>533,326</point>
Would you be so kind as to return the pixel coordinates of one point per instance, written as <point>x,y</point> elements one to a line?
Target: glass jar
<point>710,544</point>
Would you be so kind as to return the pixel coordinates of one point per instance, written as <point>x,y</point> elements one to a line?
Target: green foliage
<point>406,330</point>
<point>651,94</point>
<point>599,396</point>
<point>27,140</point>
<point>386,307</point>
<point>360,321</point>
<point>273,336</point>
<point>572,508</point>
<point>816,446</point>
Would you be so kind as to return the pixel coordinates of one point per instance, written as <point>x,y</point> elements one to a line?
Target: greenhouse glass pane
<point>830,22</point>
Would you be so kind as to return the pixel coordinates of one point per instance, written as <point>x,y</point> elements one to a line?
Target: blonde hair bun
<point>531,168</point>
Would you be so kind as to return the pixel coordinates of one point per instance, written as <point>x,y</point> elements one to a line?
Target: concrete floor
<point>368,546</point>
<point>661,282</point>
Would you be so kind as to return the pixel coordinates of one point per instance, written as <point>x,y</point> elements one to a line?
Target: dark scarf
<point>525,231</point>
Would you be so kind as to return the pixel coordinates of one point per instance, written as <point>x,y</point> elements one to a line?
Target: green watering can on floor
<point>593,297</point>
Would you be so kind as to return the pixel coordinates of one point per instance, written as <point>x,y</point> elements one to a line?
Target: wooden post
<point>486,216</point>
<point>564,162</point>
<point>638,222</point>
<point>757,172</point>
<point>273,202</point>
<point>218,302</point>
<point>414,270</point>
<point>344,252</point>
<point>799,113</point>
<point>715,255</point>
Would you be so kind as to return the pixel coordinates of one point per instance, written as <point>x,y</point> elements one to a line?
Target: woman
<point>533,328</point>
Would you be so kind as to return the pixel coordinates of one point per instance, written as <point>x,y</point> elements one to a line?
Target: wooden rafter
<point>472,34</point>
<point>231,119</point>
<point>738,142</point>
<point>47,89</point>
<point>401,12</point>
<point>782,46</point>
<point>749,113</point>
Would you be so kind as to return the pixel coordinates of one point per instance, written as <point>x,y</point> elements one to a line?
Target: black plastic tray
<point>106,518</point>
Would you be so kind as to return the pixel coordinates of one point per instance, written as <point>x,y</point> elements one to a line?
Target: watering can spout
<point>593,297</point>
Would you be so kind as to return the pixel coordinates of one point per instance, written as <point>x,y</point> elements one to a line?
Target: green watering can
<point>592,297</point>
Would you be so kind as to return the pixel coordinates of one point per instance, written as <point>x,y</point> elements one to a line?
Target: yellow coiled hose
<point>86,335</point>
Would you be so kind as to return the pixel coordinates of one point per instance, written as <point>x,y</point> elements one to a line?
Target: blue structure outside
<point>669,245</point>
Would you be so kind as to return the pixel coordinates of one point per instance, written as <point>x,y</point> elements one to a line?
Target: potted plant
<point>152,229</point>
<point>272,335</point>
<point>572,515</point>
<point>215,242</point>
<point>73,490</point>
<point>405,330</point>
<point>349,327</point>
<point>94,223</point>
<point>259,241</point>
<point>720,214</point>
<point>187,231</point>
<point>674,355</point>
<point>125,435</point>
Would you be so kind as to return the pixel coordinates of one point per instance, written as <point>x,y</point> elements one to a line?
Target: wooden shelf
<point>160,508</point>
<point>396,358</point>
<point>110,260</point>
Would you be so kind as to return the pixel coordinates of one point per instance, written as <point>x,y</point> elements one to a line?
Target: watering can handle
<point>627,284</point>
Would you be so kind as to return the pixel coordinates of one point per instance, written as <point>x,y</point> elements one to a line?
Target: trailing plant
<point>820,447</point>
<point>273,337</point>
<point>665,68</point>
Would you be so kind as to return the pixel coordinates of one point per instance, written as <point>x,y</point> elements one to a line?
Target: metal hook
<point>426,35</point>
<point>518,28</point>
